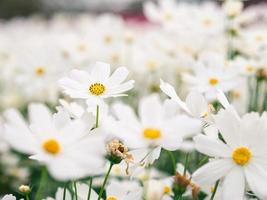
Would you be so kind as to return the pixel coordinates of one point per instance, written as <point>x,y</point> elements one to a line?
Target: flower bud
<point>24,189</point>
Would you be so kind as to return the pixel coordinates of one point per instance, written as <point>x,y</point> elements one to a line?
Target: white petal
<point>118,76</point>
<point>172,141</point>
<point>60,194</point>
<point>100,72</point>
<point>126,113</point>
<point>73,88</point>
<point>212,171</point>
<point>117,90</point>
<point>16,131</point>
<point>257,179</point>
<point>9,197</point>
<point>80,76</point>
<point>228,124</point>
<point>212,147</point>
<point>196,103</point>
<point>151,111</point>
<point>40,116</point>
<point>61,118</point>
<point>170,91</point>
<point>234,184</point>
<point>222,99</point>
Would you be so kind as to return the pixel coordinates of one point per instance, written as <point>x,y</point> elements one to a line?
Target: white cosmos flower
<point>9,197</point>
<point>96,84</point>
<point>210,74</point>
<point>65,146</point>
<point>242,159</point>
<point>156,127</point>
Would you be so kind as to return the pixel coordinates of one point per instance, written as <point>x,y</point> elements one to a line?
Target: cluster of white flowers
<point>100,131</point>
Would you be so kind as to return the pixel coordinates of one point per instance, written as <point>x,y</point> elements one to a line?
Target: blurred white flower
<point>65,146</point>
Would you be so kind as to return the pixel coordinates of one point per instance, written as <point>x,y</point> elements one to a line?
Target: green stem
<point>27,197</point>
<point>75,190</point>
<point>40,190</point>
<point>172,160</point>
<point>64,192</point>
<point>256,96</point>
<point>105,181</point>
<point>215,189</point>
<point>90,188</point>
<point>97,116</point>
<point>186,163</point>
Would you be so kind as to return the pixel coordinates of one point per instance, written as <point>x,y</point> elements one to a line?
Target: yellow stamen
<point>82,47</point>
<point>151,133</point>
<point>213,81</point>
<point>111,198</point>
<point>51,146</point>
<point>259,38</point>
<point>250,69</point>
<point>108,39</point>
<point>241,155</point>
<point>152,64</point>
<point>166,190</point>
<point>40,70</point>
<point>168,16</point>
<point>207,22</point>
<point>115,58</point>
<point>97,89</point>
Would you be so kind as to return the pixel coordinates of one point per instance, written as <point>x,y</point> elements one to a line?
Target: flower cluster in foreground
<point>168,109</point>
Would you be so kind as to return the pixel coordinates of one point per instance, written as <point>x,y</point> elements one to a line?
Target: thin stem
<point>90,188</point>
<point>27,197</point>
<point>186,163</point>
<point>40,190</point>
<point>173,160</point>
<point>97,116</point>
<point>256,97</point>
<point>64,192</point>
<point>105,181</point>
<point>75,190</point>
<point>215,189</point>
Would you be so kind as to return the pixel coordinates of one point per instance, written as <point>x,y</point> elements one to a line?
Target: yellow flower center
<point>250,69</point>
<point>108,39</point>
<point>207,22</point>
<point>213,81</point>
<point>166,190</point>
<point>259,38</point>
<point>51,146</point>
<point>168,16</point>
<point>111,198</point>
<point>82,47</point>
<point>241,155</point>
<point>97,89</point>
<point>152,64</point>
<point>115,58</point>
<point>39,70</point>
<point>152,133</point>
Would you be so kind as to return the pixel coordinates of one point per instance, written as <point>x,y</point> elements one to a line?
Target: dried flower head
<point>117,152</point>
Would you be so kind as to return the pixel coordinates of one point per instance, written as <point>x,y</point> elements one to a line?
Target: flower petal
<point>257,179</point>
<point>234,184</point>
<point>211,146</point>
<point>211,172</point>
